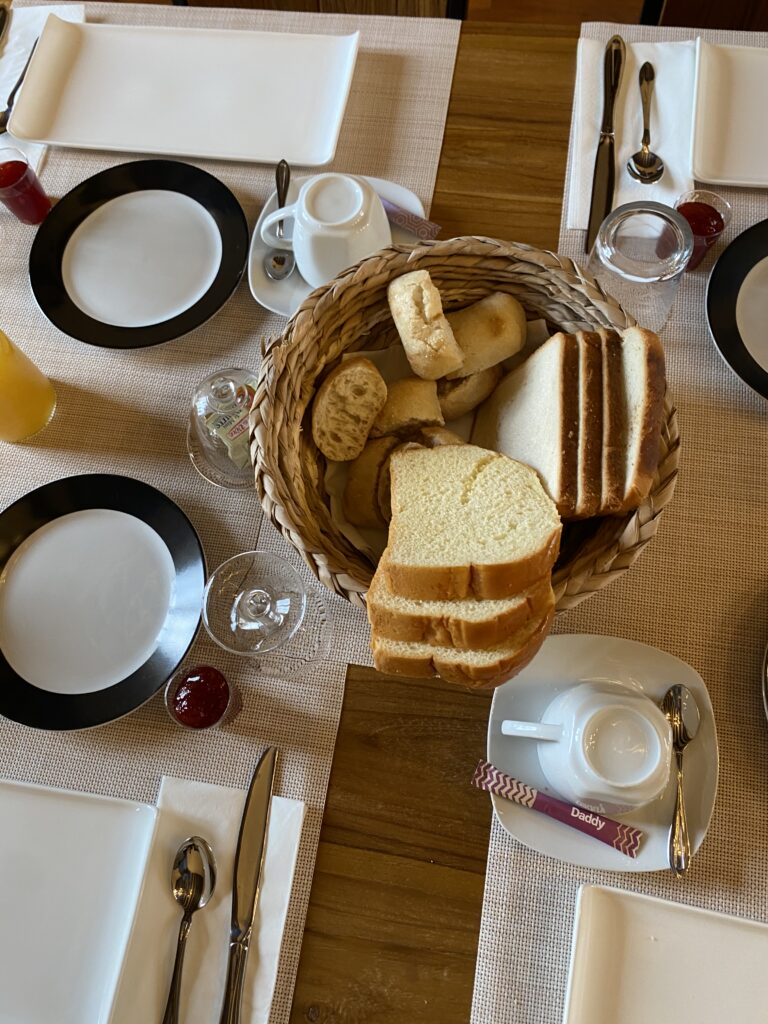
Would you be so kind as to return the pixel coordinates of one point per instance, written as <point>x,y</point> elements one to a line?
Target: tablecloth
<point>125,412</point>
<point>700,592</point>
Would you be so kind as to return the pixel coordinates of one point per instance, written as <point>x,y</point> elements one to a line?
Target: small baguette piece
<point>644,376</point>
<point>479,669</point>
<point>411,403</point>
<point>533,416</point>
<point>460,396</point>
<point>345,406</point>
<point>427,338</point>
<point>590,451</point>
<point>360,500</point>
<point>488,332</point>
<point>462,624</point>
<point>467,523</point>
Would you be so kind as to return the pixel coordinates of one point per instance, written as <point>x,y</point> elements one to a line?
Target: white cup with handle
<point>601,746</point>
<point>338,219</point>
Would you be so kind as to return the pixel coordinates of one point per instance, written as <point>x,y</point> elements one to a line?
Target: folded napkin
<point>24,28</point>
<point>671,123</point>
<point>213,812</point>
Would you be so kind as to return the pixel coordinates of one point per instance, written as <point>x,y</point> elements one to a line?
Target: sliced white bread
<point>614,459</point>
<point>590,450</point>
<point>644,378</point>
<point>476,668</point>
<point>463,624</point>
<point>467,522</point>
<point>533,416</point>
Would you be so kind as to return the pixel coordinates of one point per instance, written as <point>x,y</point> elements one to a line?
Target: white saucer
<point>285,297</point>
<point>563,662</point>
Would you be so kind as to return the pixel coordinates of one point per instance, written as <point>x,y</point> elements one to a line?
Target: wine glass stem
<point>256,609</point>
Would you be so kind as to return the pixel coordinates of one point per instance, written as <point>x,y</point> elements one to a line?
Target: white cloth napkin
<point>24,28</point>
<point>671,123</point>
<point>213,812</point>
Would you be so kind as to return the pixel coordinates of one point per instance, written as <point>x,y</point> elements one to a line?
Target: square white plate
<point>637,960</point>
<point>71,866</point>
<point>253,96</point>
<point>729,144</point>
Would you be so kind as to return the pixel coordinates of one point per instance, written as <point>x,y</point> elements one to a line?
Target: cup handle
<point>272,218</point>
<point>532,730</point>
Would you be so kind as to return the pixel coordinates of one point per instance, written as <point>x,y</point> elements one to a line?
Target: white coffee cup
<point>602,746</point>
<point>338,220</point>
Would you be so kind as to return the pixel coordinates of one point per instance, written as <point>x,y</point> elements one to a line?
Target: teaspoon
<point>679,705</point>
<point>279,263</point>
<point>193,880</point>
<point>645,166</point>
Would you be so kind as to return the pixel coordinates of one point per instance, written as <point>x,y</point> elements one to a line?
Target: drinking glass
<point>27,397</point>
<point>217,430</point>
<point>20,188</point>
<point>639,256</point>
<point>256,605</point>
<point>708,215</point>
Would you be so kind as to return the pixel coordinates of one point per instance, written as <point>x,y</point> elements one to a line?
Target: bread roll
<point>488,332</point>
<point>464,394</point>
<point>360,500</point>
<point>345,406</point>
<point>424,331</point>
<point>436,437</point>
<point>411,403</point>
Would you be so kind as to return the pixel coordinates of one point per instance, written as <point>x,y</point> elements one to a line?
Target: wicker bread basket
<point>351,313</point>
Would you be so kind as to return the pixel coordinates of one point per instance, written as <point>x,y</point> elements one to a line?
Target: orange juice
<point>27,398</point>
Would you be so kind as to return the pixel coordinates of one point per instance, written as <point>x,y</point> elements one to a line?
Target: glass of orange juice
<point>27,398</point>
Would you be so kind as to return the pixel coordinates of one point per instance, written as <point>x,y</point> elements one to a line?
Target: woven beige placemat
<point>125,412</point>
<point>700,591</point>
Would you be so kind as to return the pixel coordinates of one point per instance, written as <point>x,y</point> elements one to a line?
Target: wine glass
<point>256,605</point>
<point>217,430</point>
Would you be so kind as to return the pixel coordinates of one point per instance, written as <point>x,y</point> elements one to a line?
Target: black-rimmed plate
<point>101,584</point>
<point>139,254</point>
<point>737,306</point>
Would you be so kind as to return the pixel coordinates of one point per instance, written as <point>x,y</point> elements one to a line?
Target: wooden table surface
<point>394,916</point>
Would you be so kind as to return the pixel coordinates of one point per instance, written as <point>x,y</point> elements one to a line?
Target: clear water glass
<point>639,256</point>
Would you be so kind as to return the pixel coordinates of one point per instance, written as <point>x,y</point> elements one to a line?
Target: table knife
<point>246,884</point>
<point>605,159</point>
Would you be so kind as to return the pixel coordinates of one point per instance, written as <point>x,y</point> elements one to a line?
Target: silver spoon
<point>679,705</point>
<point>279,263</point>
<point>644,165</point>
<point>193,879</point>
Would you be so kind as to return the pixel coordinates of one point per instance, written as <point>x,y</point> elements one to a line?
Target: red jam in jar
<point>22,193</point>
<point>706,224</point>
<point>199,697</point>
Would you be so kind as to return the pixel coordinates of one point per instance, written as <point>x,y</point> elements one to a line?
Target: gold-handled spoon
<point>679,705</point>
<point>645,166</point>
<point>193,879</point>
<point>279,263</point>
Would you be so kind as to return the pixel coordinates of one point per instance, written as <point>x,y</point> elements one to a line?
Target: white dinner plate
<point>72,867</point>
<point>209,93</point>
<point>729,145</point>
<point>563,662</point>
<point>285,297</point>
<point>636,960</point>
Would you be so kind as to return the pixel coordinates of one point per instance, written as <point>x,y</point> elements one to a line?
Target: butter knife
<point>246,885</point>
<point>604,177</point>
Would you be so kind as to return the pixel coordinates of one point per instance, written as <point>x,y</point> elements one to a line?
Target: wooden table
<point>391,933</point>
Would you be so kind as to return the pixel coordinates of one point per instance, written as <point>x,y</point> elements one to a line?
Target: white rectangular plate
<point>252,96</point>
<point>729,143</point>
<point>636,959</point>
<point>71,866</point>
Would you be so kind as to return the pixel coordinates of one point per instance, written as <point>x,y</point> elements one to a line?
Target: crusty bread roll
<point>411,403</point>
<point>435,437</point>
<point>424,331</point>
<point>488,332</point>
<point>360,500</point>
<point>345,406</point>
<point>464,394</point>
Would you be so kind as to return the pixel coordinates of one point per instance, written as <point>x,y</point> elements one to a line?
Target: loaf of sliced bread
<point>427,338</point>
<point>590,449</point>
<point>464,624</point>
<point>644,378</point>
<point>533,416</point>
<point>467,522</point>
<point>483,667</point>
<point>345,406</point>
